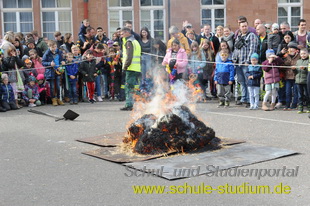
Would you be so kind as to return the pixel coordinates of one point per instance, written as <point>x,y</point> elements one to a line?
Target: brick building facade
<point>47,16</point>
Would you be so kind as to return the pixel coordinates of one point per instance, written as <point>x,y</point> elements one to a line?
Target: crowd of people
<point>266,62</point>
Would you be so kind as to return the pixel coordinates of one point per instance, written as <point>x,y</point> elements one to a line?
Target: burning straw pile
<point>178,130</point>
<point>166,123</point>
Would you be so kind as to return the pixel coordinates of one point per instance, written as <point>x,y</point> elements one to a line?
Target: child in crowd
<point>197,61</point>
<point>224,77</point>
<point>147,85</point>
<point>115,63</point>
<point>52,59</point>
<point>291,88</point>
<point>99,52</point>
<point>11,64</point>
<point>301,71</point>
<point>89,73</point>
<point>28,70</point>
<point>274,38</point>
<point>272,78</point>
<point>37,61</point>
<point>208,70</point>
<point>76,53</point>
<point>72,72</point>
<point>31,94</point>
<point>254,75</point>
<point>82,32</point>
<point>8,100</point>
<point>44,90</point>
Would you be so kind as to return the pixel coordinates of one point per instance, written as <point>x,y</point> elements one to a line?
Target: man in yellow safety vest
<point>131,65</point>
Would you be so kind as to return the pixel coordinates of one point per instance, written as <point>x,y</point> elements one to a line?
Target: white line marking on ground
<point>260,118</point>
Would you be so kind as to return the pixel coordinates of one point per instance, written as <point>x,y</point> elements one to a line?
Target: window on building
<point>213,12</point>
<point>17,15</point>
<point>290,11</point>
<point>56,16</point>
<point>119,12</point>
<point>152,16</point>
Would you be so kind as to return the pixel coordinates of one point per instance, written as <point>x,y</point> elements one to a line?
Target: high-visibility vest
<point>136,59</point>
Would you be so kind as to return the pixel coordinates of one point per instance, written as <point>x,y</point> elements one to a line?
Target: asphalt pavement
<point>41,163</point>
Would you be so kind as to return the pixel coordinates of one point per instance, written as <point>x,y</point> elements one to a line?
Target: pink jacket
<point>38,66</point>
<point>182,60</point>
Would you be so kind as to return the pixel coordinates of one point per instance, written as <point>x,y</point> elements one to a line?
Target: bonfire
<point>166,123</point>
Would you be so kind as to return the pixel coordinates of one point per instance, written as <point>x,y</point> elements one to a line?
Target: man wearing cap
<point>175,34</point>
<point>246,44</point>
<point>131,65</point>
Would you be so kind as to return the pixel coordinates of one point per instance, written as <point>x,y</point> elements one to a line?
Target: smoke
<point>165,97</point>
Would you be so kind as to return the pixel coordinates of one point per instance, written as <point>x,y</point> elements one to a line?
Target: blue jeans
<point>72,91</point>
<point>98,85</point>
<point>52,87</point>
<point>105,83</point>
<point>291,91</point>
<point>145,64</point>
<point>303,95</point>
<point>281,93</point>
<point>243,81</point>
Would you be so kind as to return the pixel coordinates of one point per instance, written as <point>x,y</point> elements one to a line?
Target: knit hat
<point>275,26</point>
<point>292,45</point>
<point>254,56</point>
<point>31,78</point>
<point>269,52</point>
<point>40,77</point>
<point>28,61</point>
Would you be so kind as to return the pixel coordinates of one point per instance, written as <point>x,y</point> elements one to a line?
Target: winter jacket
<point>224,72</point>
<point>35,92</point>
<point>39,51</point>
<point>9,65</point>
<point>6,92</point>
<point>181,60</point>
<point>72,69</point>
<point>272,74</point>
<point>282,45</point>
<point>183,42</point>
<point>290,61</point>
<point>45,86</point>
<point>104,39</point>
<point>48,57</point>
<point>262,48</point>
<point>88,68</point>
<point>103,65</point>
<point>42,45</point>
<point>273,41</point>
<point>215,43</point>
<point>194,62</point>
<point>66,46</point>
<point>301,74</point>
<point>37,64</point>
<point>257,73</point>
